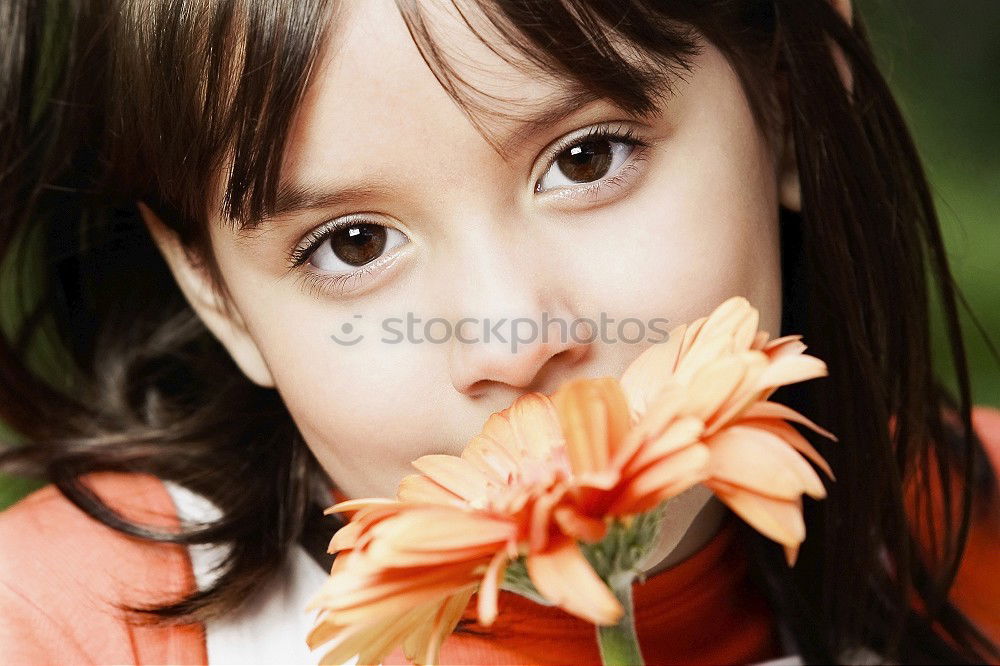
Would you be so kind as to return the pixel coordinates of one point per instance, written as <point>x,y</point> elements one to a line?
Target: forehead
<point>373,96</point>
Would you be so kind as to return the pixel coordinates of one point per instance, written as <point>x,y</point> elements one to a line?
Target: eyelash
<point>318,283</point>
<point>301,253</point>
<point>619,133</point>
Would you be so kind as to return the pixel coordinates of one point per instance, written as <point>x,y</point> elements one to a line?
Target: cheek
<point>358,412</point>
<point>364,407</point>
<point>704,225</point>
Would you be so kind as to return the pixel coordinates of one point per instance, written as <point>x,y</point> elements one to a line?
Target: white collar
<point>272,626</point>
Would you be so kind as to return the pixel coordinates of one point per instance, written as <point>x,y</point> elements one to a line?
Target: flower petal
<point>489,589</point>
<point>743,395</point>
<point>455,474</point>
<point>760,340</point>
<point>729,328</point>
<point>661,413</point>
<point>535,424</point>
<point>358,504</point>
<point>392,634</point>
<point>365,597</point>
<point>594,416</point>
<point>528,428</point>
<point>707,351</point>
<point>663,479</point>
<point>681,433</point>
<point>579,526</point>
<point>783,346</point>
<point>426,647</point>
<point>715,384</point>
<point>646,376</point>
<point>492,458</point>
<point>775,410</point>
<point>563,576</point>
<point>791,369</point>
<point>793,438</point>
<point>729,316</point>
<point>345,537</point>
<point>777,519</point>
<point>689,336</point>
<point>745,329</point>
<point>541,521</point>
<point>348,641</point>
<point>421,489</point>
<point>761,461</point>
<point>431,529</point>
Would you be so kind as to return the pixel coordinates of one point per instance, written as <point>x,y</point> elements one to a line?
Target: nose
<point>521,335</point>
<point>518,357</point>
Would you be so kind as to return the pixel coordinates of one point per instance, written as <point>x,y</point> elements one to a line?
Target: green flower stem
<point>619,644</point>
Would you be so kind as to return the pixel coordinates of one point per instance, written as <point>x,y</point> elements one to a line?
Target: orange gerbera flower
<point>720,370</point>
<point>536,491</point>
<point>532,484</point>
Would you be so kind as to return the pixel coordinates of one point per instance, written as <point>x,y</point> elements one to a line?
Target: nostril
<point>521,363</point>
<point>573,354</point>
<point>477,389</point>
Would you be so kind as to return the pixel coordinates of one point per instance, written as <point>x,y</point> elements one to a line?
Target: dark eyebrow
<point>550,112</point>
<point>297,197</point>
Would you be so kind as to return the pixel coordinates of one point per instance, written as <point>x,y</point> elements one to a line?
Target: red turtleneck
<point>704,610</point>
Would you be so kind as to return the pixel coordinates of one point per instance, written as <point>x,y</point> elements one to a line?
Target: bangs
<point>203,93</point>
<point>610,49</point>
<point>203,88</point>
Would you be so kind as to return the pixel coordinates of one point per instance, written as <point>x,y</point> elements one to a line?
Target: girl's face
<point>402,220</point>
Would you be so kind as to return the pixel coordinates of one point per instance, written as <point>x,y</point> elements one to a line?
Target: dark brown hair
<point>107,103</point>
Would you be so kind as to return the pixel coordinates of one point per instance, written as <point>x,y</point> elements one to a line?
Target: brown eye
<point>359,243</point>
<point>353,245</point>
<point>586,161</point>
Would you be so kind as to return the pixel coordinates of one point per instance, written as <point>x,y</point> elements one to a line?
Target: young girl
<point>262,254</point>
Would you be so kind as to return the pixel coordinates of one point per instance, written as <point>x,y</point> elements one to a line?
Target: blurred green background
<point>943,61</point>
